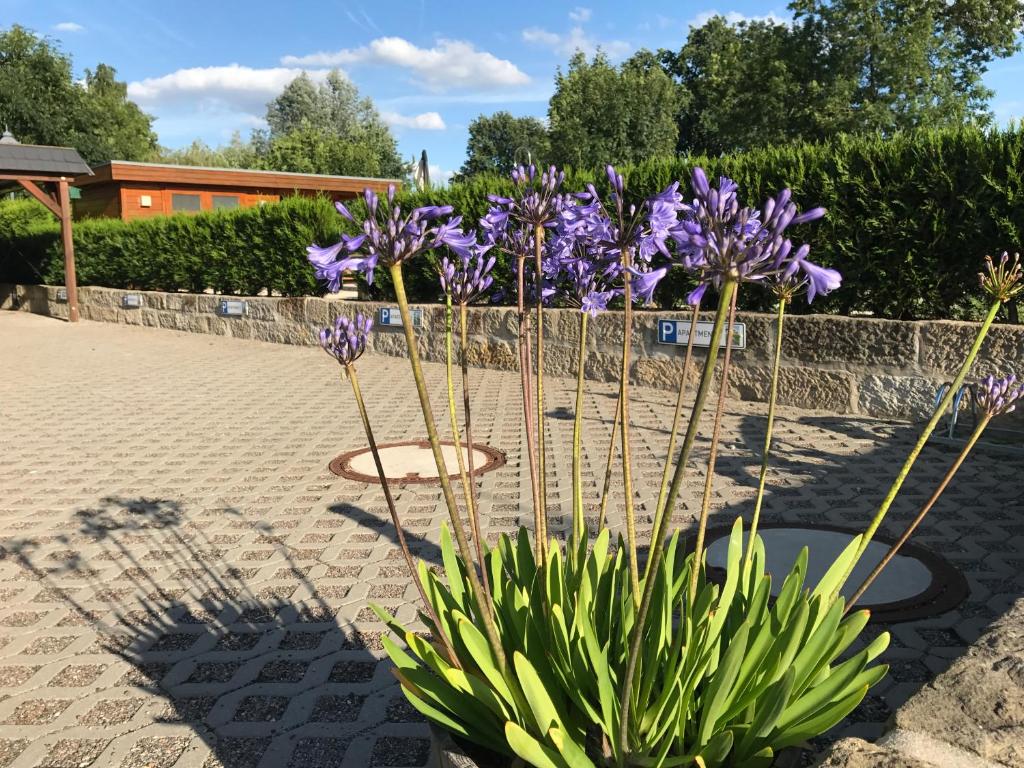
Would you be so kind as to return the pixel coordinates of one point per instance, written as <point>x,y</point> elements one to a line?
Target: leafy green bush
<point>909,217</point>
<point>730,678</point>
<point>243,251</point>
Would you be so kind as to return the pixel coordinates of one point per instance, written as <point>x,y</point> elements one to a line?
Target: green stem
<point>709,478</point>
<point>464,477</point>
<point>940,409</point>
<point>446,487</point>
<point>608,465</point>
<point>982,423</point>
<point>627,469</point>
<point>659,509</point>
<point>525,372</point>
<point>763,477</point>
<point>657,545</point>
<point>577,440</point>
<point>474,506</point>
<point>538,286</point>
<point>350,370</point>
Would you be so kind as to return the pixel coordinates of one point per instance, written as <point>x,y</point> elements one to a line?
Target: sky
<point>205,69</point>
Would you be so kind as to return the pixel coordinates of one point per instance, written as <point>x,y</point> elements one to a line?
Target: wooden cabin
<point>128,190</point>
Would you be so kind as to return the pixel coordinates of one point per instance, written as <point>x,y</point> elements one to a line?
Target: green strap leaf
<point>531,750</point>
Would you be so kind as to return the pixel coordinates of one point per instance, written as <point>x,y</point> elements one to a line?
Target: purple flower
<point>611,228</point>
<point>467,276</point>
<point>389,237</point>
<point>644,283</point>
<point>998,396</point>
<point>722,240</point>
<point>329,267</point>
<point>346,341</point>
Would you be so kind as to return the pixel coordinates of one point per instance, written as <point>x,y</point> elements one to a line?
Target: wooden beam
<point>46,199</point>
<point>29,176</point>
<point>70,279</point>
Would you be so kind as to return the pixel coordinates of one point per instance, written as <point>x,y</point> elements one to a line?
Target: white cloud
<point>68,26</point>
<point>426,121</point>
<point>580,14</point>
<point>234,87</point>
<point>450,63</point>
<point>735,17</point>
<point>439,176</point>
<point>575,39</point>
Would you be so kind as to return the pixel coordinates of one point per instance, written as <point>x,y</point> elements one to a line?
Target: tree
<point>499,142</point>
<point>602,114</point>
<point>238,153</point>
<point>746,84</point>
<point>42,104</point>
<point>341,129</point>
<point>309,149</point>
<point>37,93</point>
<point>842,66</point>
<point>109,126</point>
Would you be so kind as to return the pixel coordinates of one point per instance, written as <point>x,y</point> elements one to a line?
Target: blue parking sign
<point>667,331</point>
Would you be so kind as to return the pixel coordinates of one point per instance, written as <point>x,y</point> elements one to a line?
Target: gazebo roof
<point>32,160</point>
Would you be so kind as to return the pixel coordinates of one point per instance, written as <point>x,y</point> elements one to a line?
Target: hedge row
<point>244,251</point>
<point>910,217</point>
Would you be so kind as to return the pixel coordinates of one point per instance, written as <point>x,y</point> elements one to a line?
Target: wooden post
<point>70,281</point>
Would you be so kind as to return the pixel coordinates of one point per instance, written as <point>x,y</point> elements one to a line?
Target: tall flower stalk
<point>578,526</point>
<point>476,587</point>
<point>606,487</point>
<point>1003,283</point>
<point>346,342</point>
<point>463,279</point>
<point>390,238</point>
<point>998,396</point>
<point>466,478</point>
<point>517,224</point>
<point>659,509</point>
<point>716,431</point>
<point>726,245</point>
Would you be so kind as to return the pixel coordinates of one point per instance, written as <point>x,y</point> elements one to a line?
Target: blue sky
<point>206,69</point>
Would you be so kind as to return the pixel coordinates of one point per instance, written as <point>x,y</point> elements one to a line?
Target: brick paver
<point>183,583</point>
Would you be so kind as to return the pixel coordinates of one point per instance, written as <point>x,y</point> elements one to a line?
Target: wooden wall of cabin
<point>161,198</point>
<point>99,201</point>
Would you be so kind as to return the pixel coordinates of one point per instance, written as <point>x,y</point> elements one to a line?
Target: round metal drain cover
<point>915,584</point>
<point>413,462</point>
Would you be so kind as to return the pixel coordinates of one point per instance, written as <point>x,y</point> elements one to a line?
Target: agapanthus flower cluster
<point>999,396</point>
<point>612,227</point>
<point>537,199</point>
<point>1003,282</point>
<point>722,240</point>
<point>468,275</point>
<point>346,341</point>
<point>388,238</point>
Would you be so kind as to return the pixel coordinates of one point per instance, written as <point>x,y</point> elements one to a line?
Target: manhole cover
<point>413,462</point>
<point>915,584</point>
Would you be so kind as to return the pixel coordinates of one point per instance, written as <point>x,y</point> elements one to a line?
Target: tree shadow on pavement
<point>257,664</point>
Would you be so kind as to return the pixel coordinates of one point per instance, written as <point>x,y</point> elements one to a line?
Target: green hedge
<point>910,218</point>
<point>244,251</point>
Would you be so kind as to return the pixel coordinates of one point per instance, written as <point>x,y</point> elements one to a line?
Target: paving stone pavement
<point>183,582</point>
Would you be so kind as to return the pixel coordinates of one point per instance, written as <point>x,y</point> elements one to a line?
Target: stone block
<point>978,703</point>
<point>801,387</point>
<point>896,397</point>
<point>500,355</point>
<point>944,344</point>
<point>850,341</point>
<point>857,753</point>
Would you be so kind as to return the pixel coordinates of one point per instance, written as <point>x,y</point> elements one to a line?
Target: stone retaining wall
<point>970,716</point>
<point>885,368</point>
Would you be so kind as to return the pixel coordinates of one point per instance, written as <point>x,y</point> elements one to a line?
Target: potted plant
<point>580,653</point>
